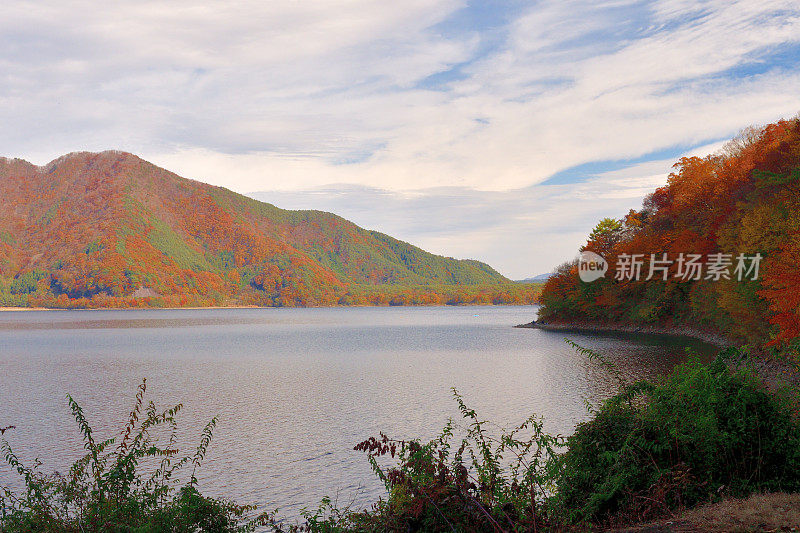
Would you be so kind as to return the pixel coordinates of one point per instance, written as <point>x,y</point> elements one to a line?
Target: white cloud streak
<point>294,89</point>
<point>521,232</point>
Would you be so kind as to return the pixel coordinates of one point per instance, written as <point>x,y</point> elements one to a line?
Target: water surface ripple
<point>296,389</point>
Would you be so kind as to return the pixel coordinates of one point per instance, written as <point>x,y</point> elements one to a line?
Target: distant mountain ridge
<point>107,228</point>
<point>541,278</point>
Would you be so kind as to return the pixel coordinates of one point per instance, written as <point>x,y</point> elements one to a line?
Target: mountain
<point>110,229</point>
<point>743,202</point>
<point>541,278</point>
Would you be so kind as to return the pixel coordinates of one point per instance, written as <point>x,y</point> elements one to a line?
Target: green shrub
<point>705,432</point>
<point>109,490</point>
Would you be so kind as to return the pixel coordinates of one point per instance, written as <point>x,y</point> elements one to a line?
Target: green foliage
<point>49,215</point>
<point>27,282</point>
<point>605,235</point>
<point>428,266</point>
<point>172,245</point>
<point>765,179</point>
<point>110,489</point>
<point>13,300</point>
<point>93,247</point>
<point>705,432</point>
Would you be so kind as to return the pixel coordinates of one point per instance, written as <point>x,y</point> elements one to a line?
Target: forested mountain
<point>110,229</point>
<point>744,200</point>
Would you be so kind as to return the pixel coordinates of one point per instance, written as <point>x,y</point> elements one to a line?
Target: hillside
<point>743,200</point>
<point>110,229</point>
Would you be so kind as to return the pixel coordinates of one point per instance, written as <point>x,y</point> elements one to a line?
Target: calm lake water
<point>296,389</point>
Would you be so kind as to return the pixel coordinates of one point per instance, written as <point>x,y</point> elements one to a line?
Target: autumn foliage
<point>112,230</point>
<point>742,200</point>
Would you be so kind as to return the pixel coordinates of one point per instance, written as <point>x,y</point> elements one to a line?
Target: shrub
<point>489,483</point>
<point>705,432</point>
<point>108,489</point>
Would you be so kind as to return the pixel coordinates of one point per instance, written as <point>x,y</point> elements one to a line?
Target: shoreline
<point>773,372</point>
<point>22,309</point>
<point>196,308</point>
<point>593,328</point>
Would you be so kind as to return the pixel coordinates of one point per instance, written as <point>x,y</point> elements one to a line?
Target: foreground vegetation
<point>111,487</point>
<point>705,433</point>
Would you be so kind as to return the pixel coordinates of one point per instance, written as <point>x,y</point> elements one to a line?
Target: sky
<point>499,131</point>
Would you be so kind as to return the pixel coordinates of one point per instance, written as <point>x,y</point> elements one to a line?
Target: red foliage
<point>110,229</point>
<point>743,200</point>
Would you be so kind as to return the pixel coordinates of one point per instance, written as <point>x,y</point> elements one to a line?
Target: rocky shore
<point>587,327</point>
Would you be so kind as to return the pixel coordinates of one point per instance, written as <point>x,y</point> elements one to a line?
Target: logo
<point>591,267</point>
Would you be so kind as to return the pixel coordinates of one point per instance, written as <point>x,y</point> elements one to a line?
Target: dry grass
<point>761,512</point>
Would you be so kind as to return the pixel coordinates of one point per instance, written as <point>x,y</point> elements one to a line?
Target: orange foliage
<point>744,200</point>
<point>110,229</point>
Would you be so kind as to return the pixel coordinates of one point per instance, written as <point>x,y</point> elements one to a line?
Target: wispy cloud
<point>521,232</point>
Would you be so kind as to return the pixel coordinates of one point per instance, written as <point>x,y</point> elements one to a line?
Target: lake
<point>296,389</point>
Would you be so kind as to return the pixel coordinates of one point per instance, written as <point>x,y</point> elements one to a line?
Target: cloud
<point>573,83</point>
<point>520,232</point>
<point>399,96</point>
<point>228,77</point>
